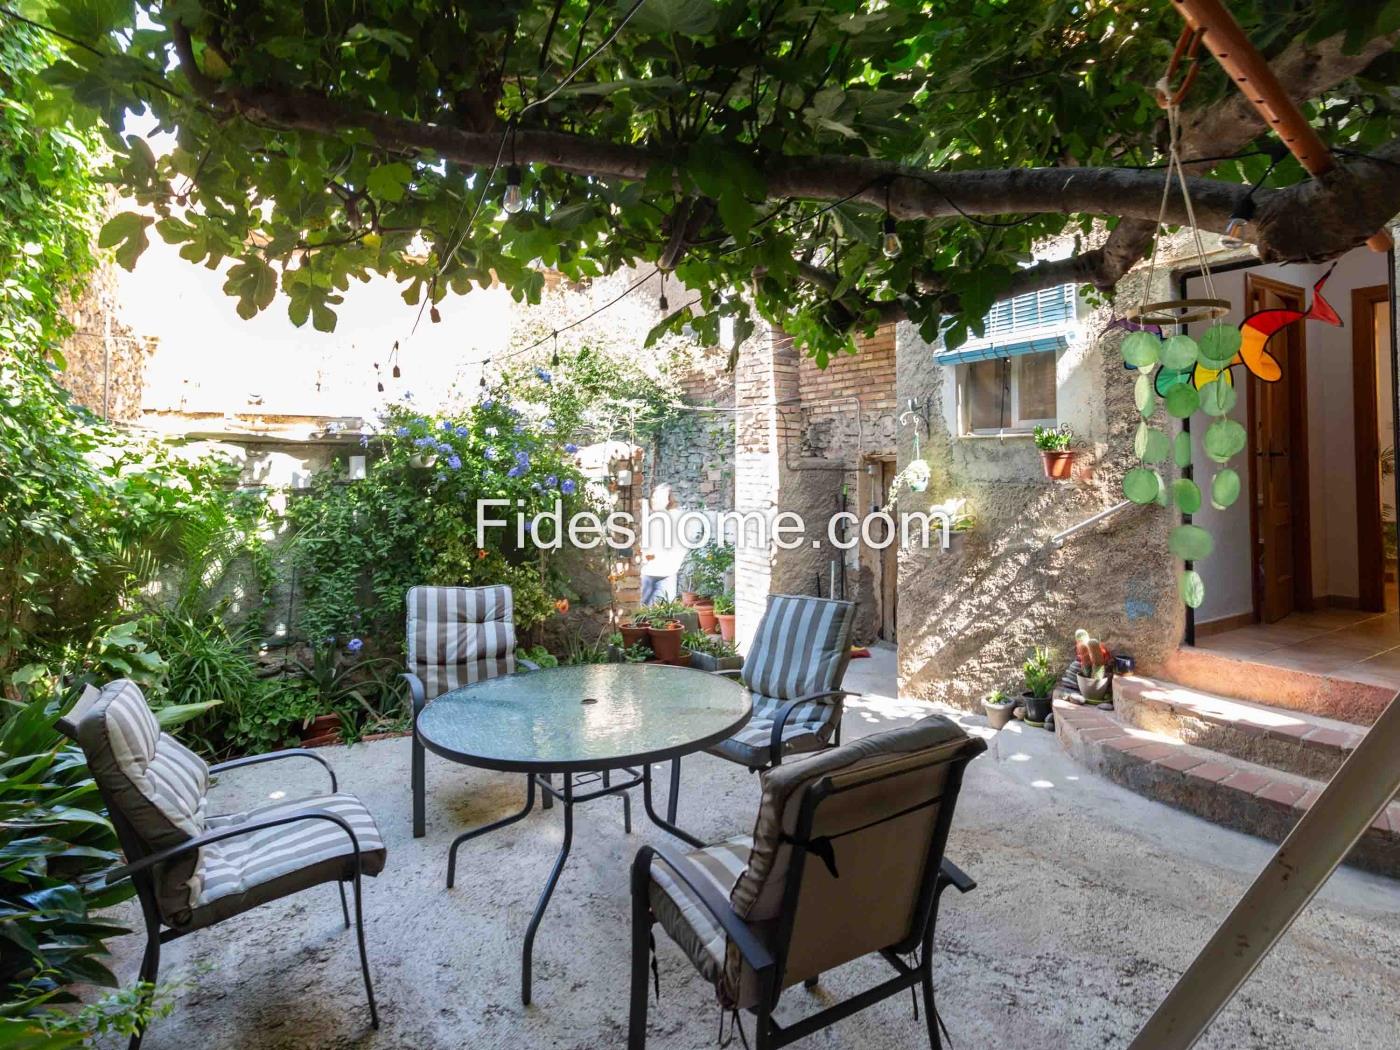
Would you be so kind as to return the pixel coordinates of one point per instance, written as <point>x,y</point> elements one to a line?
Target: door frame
<point>1296,376</point>
<point>1365,353</point>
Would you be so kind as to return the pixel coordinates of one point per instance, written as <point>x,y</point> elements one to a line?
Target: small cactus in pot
<point>1093,668</point>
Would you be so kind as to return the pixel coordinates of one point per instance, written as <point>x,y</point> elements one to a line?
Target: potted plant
<point>709,653</point>
<point>675,610</point>
<point>1040,678</point>
<point>665,637</point>
<point>999,708</point>
<point>960,521</point>
<point>634,630</point>
<point>724,613</point>
<point>1093,668</point>
<point>705,619</point>
<point>1055,452</point>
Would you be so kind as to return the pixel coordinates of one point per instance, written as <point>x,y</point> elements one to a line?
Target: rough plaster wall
<point>969,616</point>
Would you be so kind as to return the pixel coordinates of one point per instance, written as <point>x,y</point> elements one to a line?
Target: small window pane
<point>988,399</point>
<point>1035,386</point>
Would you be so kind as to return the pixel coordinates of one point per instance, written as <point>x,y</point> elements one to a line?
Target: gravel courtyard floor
<point>1091,900</point>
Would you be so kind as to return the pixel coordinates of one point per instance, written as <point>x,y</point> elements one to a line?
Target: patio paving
<point>1091,900</point>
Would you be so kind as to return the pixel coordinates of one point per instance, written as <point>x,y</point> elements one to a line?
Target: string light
<point>891,246</point>
<point>662,303</point>
<point>554,358</point>
<point>514,200</point>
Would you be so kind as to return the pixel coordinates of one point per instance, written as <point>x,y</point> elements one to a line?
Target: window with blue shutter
<point>1034,323</point>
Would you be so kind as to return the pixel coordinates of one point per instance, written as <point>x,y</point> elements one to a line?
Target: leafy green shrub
<point>705,567</point>
<point>724,604</point>
<point>540,656</point>
<point>1039,675</point>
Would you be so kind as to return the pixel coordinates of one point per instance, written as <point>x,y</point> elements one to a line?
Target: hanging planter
<point>1056,456</point>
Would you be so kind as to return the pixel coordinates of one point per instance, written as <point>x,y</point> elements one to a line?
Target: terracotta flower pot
<point>689,598</point>
<point>1058,465</point>
<point>632,635</point>
<point>323,729</point>
<point>998,714</point>
<point>706,615</point>
<point>726,626</point>
<point>666,641</point>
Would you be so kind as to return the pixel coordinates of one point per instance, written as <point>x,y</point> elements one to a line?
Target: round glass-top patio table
<point>586,722</point>
<point>584,718</point>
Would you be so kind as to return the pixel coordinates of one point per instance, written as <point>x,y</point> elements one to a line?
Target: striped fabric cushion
<point>810,728</point>
<point>688,922</point>
<point>245,870</point>
<point>802,646</point>
<point>460,635</point>
<point>155,782</point>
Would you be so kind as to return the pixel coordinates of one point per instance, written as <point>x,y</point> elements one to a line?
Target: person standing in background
<point>662,551</point>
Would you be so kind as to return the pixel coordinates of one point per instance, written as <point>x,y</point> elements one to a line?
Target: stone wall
<point>694,454</point>
<point>106,359</point>
<point>969,616</point>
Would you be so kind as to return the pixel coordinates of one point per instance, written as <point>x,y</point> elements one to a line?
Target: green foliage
<point>540,656</point>
<point>716,94</point>
<point>1053,439</point>
<point>53,834</point>
<point>724,604</point>
<point>360,545</point>
<point>1040,677</point>
<point>713,644</point>
<point>706,567</point>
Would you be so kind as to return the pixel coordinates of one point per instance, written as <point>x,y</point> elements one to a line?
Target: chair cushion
<point>802,646</point>
<point>459,635</point>
<point>810,728</point>
<point>757,893</point>
<point>244,871</point>
<point>689,923</point>
<point>156,784</point>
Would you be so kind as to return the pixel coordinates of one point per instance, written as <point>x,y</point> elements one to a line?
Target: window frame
<point>1018,425</point>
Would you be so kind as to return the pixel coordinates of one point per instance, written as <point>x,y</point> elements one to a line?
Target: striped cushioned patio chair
<point>192,869</point>
<point>846,860</point>
<point>457,636</point>
<point>793,671</point>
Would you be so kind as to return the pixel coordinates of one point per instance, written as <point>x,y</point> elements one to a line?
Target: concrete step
<point>1293,741</point>
<point>1280,687</point>
<point>1221,788</point>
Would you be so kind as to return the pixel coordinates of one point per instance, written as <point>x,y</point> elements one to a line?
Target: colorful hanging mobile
<point>1261,326</point>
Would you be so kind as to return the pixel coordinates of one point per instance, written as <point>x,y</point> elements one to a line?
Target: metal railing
<point>1058,540</point>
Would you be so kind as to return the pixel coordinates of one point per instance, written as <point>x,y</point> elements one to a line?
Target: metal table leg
<point>673,801</point>
<point>466,835</point>
<point>664,825</point>
<point>533,928</point>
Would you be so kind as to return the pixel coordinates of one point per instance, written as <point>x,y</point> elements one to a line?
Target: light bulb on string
<point>514,200</point>
<point>891,245</point>
<point>662,302</point>
<point>554,357</point>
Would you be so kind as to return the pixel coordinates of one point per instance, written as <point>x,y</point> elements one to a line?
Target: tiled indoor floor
<point>1344,643</point>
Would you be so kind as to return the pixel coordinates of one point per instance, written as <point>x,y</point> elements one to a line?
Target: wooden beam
<point>1256,81</point>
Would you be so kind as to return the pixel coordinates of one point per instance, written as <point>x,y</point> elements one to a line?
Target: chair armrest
<point>294,752</point>
<point>529,665</point>
<point>775,742</point>
<point>754,951</point>
<point>415,694</point>
<point>949,874</point>
<point>219,834</point>
<point>729,672</point>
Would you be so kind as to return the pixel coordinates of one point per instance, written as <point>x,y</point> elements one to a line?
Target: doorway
<point>1375,446</point>
<point>882,563</point>
<point>1280,533</point>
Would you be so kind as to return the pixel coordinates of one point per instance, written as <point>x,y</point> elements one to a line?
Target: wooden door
<point>1278,448</point>
<point>889,561</point>
<point>1370,338</point>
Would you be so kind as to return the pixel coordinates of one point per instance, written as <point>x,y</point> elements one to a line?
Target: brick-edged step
<point>1331,697</point>
<point>1219,787</point>
<point>1294,741</point>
